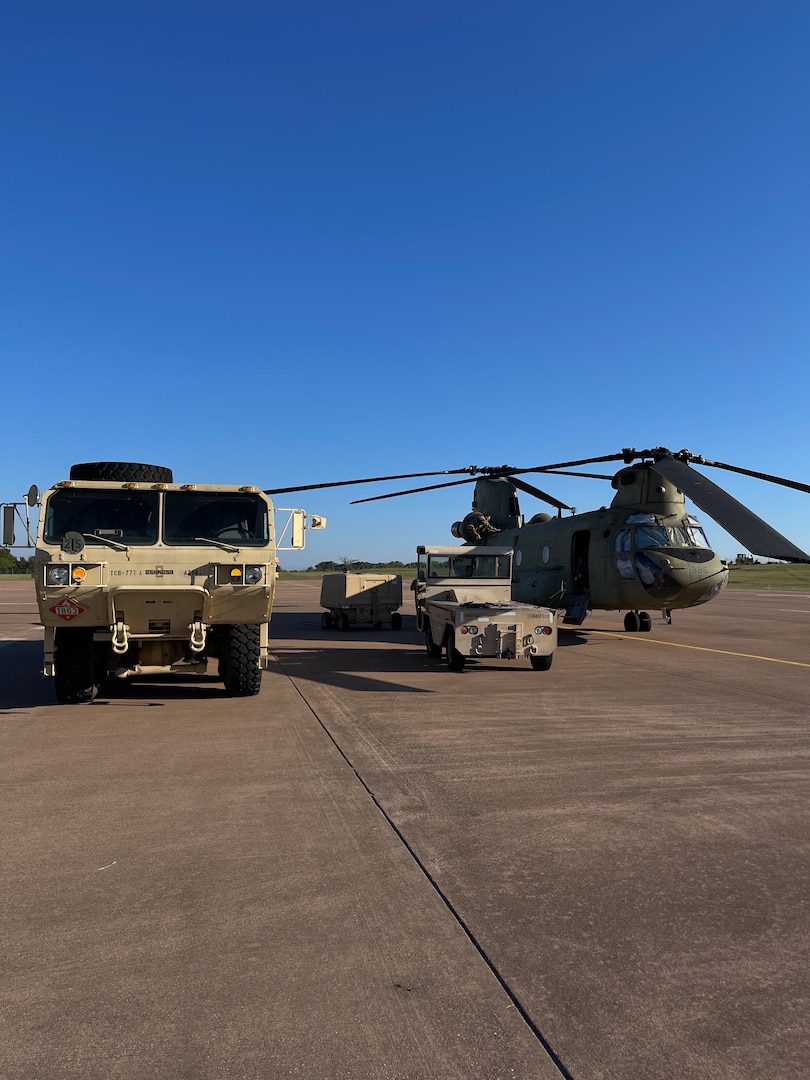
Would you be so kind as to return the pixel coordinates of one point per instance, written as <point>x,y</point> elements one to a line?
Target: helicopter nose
<point>669,576</point>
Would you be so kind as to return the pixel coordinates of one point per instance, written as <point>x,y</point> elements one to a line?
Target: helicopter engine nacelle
<point>474,528</point>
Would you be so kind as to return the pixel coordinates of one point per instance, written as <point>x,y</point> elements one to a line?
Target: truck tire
<point>434,651</point>
<point>343,622</point>
<point>121,472</point>
<point>541,663</point>
<point>73,666</point>
<point>326,620</point>
<point>240,670</point>
<point>396,620</point>
<point>455,659</point>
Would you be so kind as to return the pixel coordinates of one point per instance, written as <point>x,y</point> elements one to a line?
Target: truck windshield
<point>469,566</point>
<point>194,517</point>
<point>129,517</point>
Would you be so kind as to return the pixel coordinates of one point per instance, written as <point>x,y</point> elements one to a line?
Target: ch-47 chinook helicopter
<point>644,551</point>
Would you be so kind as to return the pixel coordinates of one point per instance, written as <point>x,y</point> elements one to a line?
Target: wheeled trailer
<point>361,598</point>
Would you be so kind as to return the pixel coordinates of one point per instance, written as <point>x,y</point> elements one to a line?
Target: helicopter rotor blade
<point>413,491</point>
<point>369,480</point>
<point>797,485</point>
<point>538,494</point>
<point>754,533</point>
<point>586,475</point>
<point>560,465</point>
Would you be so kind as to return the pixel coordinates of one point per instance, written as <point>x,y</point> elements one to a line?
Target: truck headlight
<point>57,575</point>
<point>253,575</point>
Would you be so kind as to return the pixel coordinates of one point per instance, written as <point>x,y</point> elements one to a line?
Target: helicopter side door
<point>580,570</point>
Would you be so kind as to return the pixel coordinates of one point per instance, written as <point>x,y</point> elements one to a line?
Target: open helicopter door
<point>577,604</point>
<point>580,548</point>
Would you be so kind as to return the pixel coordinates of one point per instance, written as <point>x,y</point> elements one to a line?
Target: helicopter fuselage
<point>643,551</point>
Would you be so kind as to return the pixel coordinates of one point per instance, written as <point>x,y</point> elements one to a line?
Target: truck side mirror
<point>298,526</point>
<point>8,526</point>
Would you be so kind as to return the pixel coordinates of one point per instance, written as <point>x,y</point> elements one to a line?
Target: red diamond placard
<point>68,609</point>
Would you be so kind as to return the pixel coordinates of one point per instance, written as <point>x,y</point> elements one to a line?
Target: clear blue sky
<point>282,243</point>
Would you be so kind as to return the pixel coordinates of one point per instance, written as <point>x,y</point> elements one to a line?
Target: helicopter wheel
<point>632,622</point>
<point>645,622</point>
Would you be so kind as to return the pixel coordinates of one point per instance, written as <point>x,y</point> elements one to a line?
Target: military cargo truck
<point>137,575</point>
<point>464,606</point>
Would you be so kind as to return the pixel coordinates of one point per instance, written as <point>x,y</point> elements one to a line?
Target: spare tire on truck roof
<point>121,472</point>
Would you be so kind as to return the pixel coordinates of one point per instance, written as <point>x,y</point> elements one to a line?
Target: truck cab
<point>462,573</point>
<point>137,575</point>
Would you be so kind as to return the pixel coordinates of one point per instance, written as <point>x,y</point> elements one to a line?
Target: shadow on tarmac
<point>28,688</point>
<point>347,668</point>
<point>341,666</point>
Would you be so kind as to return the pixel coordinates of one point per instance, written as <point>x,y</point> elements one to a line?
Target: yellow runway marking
<point>699,648</point>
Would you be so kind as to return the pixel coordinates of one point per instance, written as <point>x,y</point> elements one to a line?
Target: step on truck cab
<point>137,575</point>
<point>464,607</point>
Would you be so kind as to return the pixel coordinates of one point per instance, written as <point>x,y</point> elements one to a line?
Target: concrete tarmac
<point>379,868</point>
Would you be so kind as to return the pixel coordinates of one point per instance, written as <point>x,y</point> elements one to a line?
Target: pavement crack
<point>445,899</point>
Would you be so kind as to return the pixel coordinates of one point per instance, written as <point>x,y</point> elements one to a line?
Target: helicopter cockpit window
<point>622,540</point>
<point>640,519</point>
<point>651,536</point>
<point>695,532</point>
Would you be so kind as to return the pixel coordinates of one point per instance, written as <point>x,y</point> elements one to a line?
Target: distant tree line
<point>357,566</point>
<point>10,564</point>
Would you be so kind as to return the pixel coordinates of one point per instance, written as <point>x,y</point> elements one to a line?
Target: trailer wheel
<point>326,620</point>
<point>541,663</point>
<point>455,659</point>
<point>396,620</point>
<point>343,622</point>
<point>433,650</point>
<point>74,666</point>
<point>121,472</point>
<point>240,670</point>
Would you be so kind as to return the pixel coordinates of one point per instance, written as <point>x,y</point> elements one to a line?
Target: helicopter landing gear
<point>666,614</point>
<point>635,621</point>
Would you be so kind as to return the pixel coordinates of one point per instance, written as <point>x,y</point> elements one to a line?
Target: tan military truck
<point>137,575</point>
<point>464,606</point>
